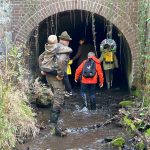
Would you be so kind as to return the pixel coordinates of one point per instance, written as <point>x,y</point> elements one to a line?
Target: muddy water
<point>76,121</point>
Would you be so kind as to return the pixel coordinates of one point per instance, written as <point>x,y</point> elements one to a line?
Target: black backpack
<point>89,69</point>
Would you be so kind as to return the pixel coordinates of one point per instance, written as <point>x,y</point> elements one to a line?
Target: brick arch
<point>118,17</point>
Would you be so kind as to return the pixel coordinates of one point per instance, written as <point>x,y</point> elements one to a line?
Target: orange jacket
<point>99,73</point>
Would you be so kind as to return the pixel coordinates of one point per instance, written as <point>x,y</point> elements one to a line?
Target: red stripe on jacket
<point>98,75</point>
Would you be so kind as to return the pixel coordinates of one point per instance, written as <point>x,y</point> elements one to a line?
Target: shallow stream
<point>76,120</point>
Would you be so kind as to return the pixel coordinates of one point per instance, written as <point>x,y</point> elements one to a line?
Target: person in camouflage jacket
<point>62,52</point>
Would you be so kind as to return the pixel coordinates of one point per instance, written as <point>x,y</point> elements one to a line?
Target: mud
<point>85,127</point>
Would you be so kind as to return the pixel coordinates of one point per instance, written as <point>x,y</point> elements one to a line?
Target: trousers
<point>58,89</point>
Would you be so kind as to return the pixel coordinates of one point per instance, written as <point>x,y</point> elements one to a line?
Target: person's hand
<point>75,81</point>
<point>101,85</point>
<point>70,62</point>
<point>43,73</point>
<point>59,78</point>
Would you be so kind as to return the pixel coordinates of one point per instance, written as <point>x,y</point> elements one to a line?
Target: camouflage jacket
<point>55,58</point>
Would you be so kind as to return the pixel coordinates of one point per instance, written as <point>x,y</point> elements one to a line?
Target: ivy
<point>143,39</point>
<point>147,133</point>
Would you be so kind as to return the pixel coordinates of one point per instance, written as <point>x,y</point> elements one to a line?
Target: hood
<point>95,59</point>
<point>63,49</point>
<point>50,47</point>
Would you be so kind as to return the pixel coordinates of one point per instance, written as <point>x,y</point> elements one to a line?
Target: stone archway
<point>117,16</point>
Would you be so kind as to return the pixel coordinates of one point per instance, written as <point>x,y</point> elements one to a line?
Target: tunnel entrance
<point>78,23</point>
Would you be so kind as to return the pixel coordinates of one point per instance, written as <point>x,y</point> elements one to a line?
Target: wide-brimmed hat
<point>65,36</point>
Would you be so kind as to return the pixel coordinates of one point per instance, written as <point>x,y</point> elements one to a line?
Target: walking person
<point>68,87</point>
<point>59,60</point>
<point>110,62</point>
<point>90,71</point>
<point>83,51</point>
<point>45,63</point>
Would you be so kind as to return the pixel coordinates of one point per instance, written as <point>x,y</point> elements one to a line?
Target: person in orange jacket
<point>89,80</point>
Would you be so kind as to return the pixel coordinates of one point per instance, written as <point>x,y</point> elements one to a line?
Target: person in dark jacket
<point>88,85</point>
<point>83,51</point>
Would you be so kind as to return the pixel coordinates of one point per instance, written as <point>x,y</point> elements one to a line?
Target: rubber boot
<point>93,103</point>
<point>60,132</point>
<point>54,116</point>
<point>54,129</point>
<point>57,131</point>
<point>84,100</point>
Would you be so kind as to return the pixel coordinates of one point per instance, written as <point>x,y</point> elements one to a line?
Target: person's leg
<point>67,83</point>
<point>84,88</point>
<point>92,96</point>
<point>111,77</point>
<point>107,76</point>
<point>58,99</point>
<point>68,87</point>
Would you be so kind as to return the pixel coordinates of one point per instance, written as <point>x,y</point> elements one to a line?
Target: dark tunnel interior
<point>78,23</point>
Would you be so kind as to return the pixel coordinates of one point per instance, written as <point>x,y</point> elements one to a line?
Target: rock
<point>43,103</point>
<point>108,139</point>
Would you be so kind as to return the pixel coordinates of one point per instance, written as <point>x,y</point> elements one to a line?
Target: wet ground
<point>76,121</point>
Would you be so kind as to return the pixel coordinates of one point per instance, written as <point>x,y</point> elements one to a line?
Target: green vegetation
<point>41,93</point>
<point>17,120</point>
<point>136,118</point>
<point>136,121</point>
<point>118,142</point>
<point>126,103</point>
<point>140,146</point>
<point>144,41</point>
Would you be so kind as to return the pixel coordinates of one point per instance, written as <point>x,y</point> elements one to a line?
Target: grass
<point>17,119</point>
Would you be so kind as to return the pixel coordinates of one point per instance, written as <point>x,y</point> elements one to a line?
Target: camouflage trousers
<point>58,91</point>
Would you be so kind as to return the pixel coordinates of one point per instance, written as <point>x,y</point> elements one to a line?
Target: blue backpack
<point>89,69</point>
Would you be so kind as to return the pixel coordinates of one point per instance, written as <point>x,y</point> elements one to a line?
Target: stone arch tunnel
<point>78,23</point>
<point>123,23</point>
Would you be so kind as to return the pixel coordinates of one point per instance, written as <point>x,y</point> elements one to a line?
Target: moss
<point>118,142</point>
<point>140,146</point>
<point>136,93</point>
<point>147,133</point>
<point>126,103</point>
<point>128,122</point>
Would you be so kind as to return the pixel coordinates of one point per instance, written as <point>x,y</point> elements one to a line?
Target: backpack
<point>89,69</point>
<point>108,57</point>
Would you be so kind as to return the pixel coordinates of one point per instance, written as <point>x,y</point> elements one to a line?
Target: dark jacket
<point>82,53</point>
<point>46,61</point>
<point>99,73</point>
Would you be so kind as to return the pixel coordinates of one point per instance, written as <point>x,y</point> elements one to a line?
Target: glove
<point>75,81</point>
<point>70,62</point>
